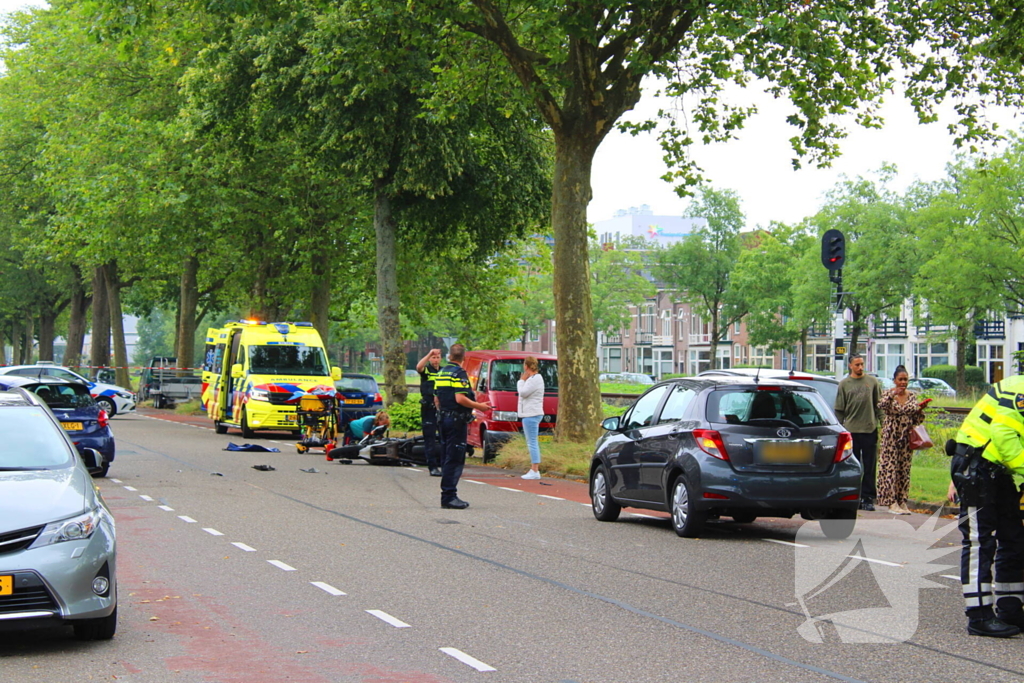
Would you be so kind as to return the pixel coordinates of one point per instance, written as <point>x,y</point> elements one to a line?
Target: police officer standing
<point>455,401</point>
<point>428,367</point>
<point>988,451</point>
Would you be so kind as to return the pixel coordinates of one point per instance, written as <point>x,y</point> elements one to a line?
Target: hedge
<point>974,376</point>
<point>405,417</point>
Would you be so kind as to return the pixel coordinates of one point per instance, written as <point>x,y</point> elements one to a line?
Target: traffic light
<point>833,250</point>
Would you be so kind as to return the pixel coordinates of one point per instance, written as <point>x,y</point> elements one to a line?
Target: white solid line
<point>412,469</point>
<point>212,532</point>
<point>868,559</point>
<point>551,497</point>
<point>282,566</point>
<point>186,518</point>
<point>474,481</point>
<point>116,481</point>
<point>146,498</point>
<point>950,576</point>
<point>508,489</point>
<point>586,505</point>
<point>130,488</point>
<point>242,546</point>
<point>795,545</point>
<point>165,508</point>
<point>466,659</point>
<point>637,514</point>
<point>326,587</point>
<point>387,618</point>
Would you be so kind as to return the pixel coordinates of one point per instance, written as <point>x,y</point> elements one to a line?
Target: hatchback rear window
<point>64,395</point>
<point>764,406</point>
<point>367,385</point>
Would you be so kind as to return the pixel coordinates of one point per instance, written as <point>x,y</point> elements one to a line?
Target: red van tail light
<point>844,447</point>
<point>710,441</point>
<point>103,420</point>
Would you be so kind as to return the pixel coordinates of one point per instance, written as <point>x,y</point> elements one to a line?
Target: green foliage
<point>975,376</point>
<point>616,283</point>
<point>405,417</point>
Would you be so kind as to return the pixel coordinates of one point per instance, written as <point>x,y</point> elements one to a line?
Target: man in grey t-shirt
<point>857,410</point>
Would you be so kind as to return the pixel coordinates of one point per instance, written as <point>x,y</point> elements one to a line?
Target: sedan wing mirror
<point>612,424</point>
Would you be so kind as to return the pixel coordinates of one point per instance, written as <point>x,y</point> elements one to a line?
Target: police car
<point>111,398</point>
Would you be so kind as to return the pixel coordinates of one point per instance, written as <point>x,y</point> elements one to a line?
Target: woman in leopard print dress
<point>901,412</point>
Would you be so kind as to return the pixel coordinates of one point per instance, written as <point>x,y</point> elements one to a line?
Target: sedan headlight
<point>259,394</point>
<point>73,529</point>
<point>505,416</point>
<point>123,394</point>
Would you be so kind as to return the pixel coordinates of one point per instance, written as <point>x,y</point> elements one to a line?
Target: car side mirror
<point>335,374</point>
<point>236,371</point>
<point>92,458</point>
<point>612,424</point>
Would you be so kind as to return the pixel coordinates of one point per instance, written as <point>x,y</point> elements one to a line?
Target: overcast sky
<point>758,165</point>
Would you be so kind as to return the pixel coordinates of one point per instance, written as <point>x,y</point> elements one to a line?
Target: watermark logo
<point>865,588</point>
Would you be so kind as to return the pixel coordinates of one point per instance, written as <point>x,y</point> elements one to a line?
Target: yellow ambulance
<point>254,374</point>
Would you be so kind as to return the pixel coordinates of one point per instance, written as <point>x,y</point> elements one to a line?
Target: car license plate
<point>358,401</point>
<point>545,437</point>
<point>6,585</point>
<point>72,426</point>
<point>291,417</point>
<point>787,453</point>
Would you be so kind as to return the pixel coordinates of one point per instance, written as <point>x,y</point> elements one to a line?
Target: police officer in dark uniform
<point>428,367</point>
<point>456,402</point>
<point>987,452</point>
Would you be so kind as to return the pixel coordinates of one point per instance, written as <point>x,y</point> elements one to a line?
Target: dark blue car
<point>358,396</point>
<point>85,422</point>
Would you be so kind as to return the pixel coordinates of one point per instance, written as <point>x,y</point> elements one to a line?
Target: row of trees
<point>954,247</point>
<point>340,159</point>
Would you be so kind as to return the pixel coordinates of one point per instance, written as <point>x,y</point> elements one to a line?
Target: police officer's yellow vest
<point>996,420</point>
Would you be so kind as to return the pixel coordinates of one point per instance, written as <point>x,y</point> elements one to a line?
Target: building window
<point>990,360</point>
<point>888,357</point>
<point>611,359</point>
<point>761,357</point>
<point>927,355</point>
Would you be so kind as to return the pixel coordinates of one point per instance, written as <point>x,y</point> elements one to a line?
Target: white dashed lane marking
<point>466,659</point>
<point>242,546</point>
<point>186,519</point>
<point>868,559</point>
<point>550,497</point>
<point>388,619</point>
<point>474,481</point>
<point>508,489</point>
<point>949,576</point>
<point>327,588</point>
<point>166,508</point>
<point>795,545</point>
<point>212,532</point>
<point>130,488</point>
<point>146,498</point>
<point>282,566</point>
<point>116,481</point>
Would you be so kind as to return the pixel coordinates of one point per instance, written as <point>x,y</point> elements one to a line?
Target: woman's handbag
<point>919,438</point>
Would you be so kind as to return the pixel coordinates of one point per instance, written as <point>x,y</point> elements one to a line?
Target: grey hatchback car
<point>728,446</point>
<point>57,542</point>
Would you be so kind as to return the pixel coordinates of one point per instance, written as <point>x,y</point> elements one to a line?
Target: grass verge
<point>190,408</point>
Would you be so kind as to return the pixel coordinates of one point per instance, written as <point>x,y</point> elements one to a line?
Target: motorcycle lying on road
<point>377,448</point>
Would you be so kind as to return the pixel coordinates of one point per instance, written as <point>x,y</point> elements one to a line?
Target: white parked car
<point>111,398</point>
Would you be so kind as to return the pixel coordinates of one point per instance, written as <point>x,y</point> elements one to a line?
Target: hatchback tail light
<point>710,441</point>
<point>844,447</point>
<point>377,398</point>
<point>103,420</point>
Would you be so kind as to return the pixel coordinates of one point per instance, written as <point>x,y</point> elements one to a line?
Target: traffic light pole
<point>838,326</point>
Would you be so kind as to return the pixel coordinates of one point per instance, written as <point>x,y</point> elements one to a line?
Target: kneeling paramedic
<point>455,409</point>
<point>988,451</point>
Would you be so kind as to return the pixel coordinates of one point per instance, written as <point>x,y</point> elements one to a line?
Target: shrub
<point>974,376</point>
<point>405,417</point>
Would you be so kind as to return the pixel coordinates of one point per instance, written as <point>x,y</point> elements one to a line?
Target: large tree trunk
<point>76,324</point>
<point>320,299</point>
<point>47,322</point>
<point>962,337</point>
<point>99,350</point>
<point>387,298</point>
<point>188,301</point>
<point>16,333</point>
<point>28,341</point>
<point>113,278</point>
<point>579,403</point>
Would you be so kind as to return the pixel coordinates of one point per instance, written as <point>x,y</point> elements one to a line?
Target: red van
<point>493,376</point>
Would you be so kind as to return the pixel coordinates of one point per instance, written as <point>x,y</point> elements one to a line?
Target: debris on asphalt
<point>264,468</point>
<point>216,474</point>
<point>251,447</point>
<point>311,470</point>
